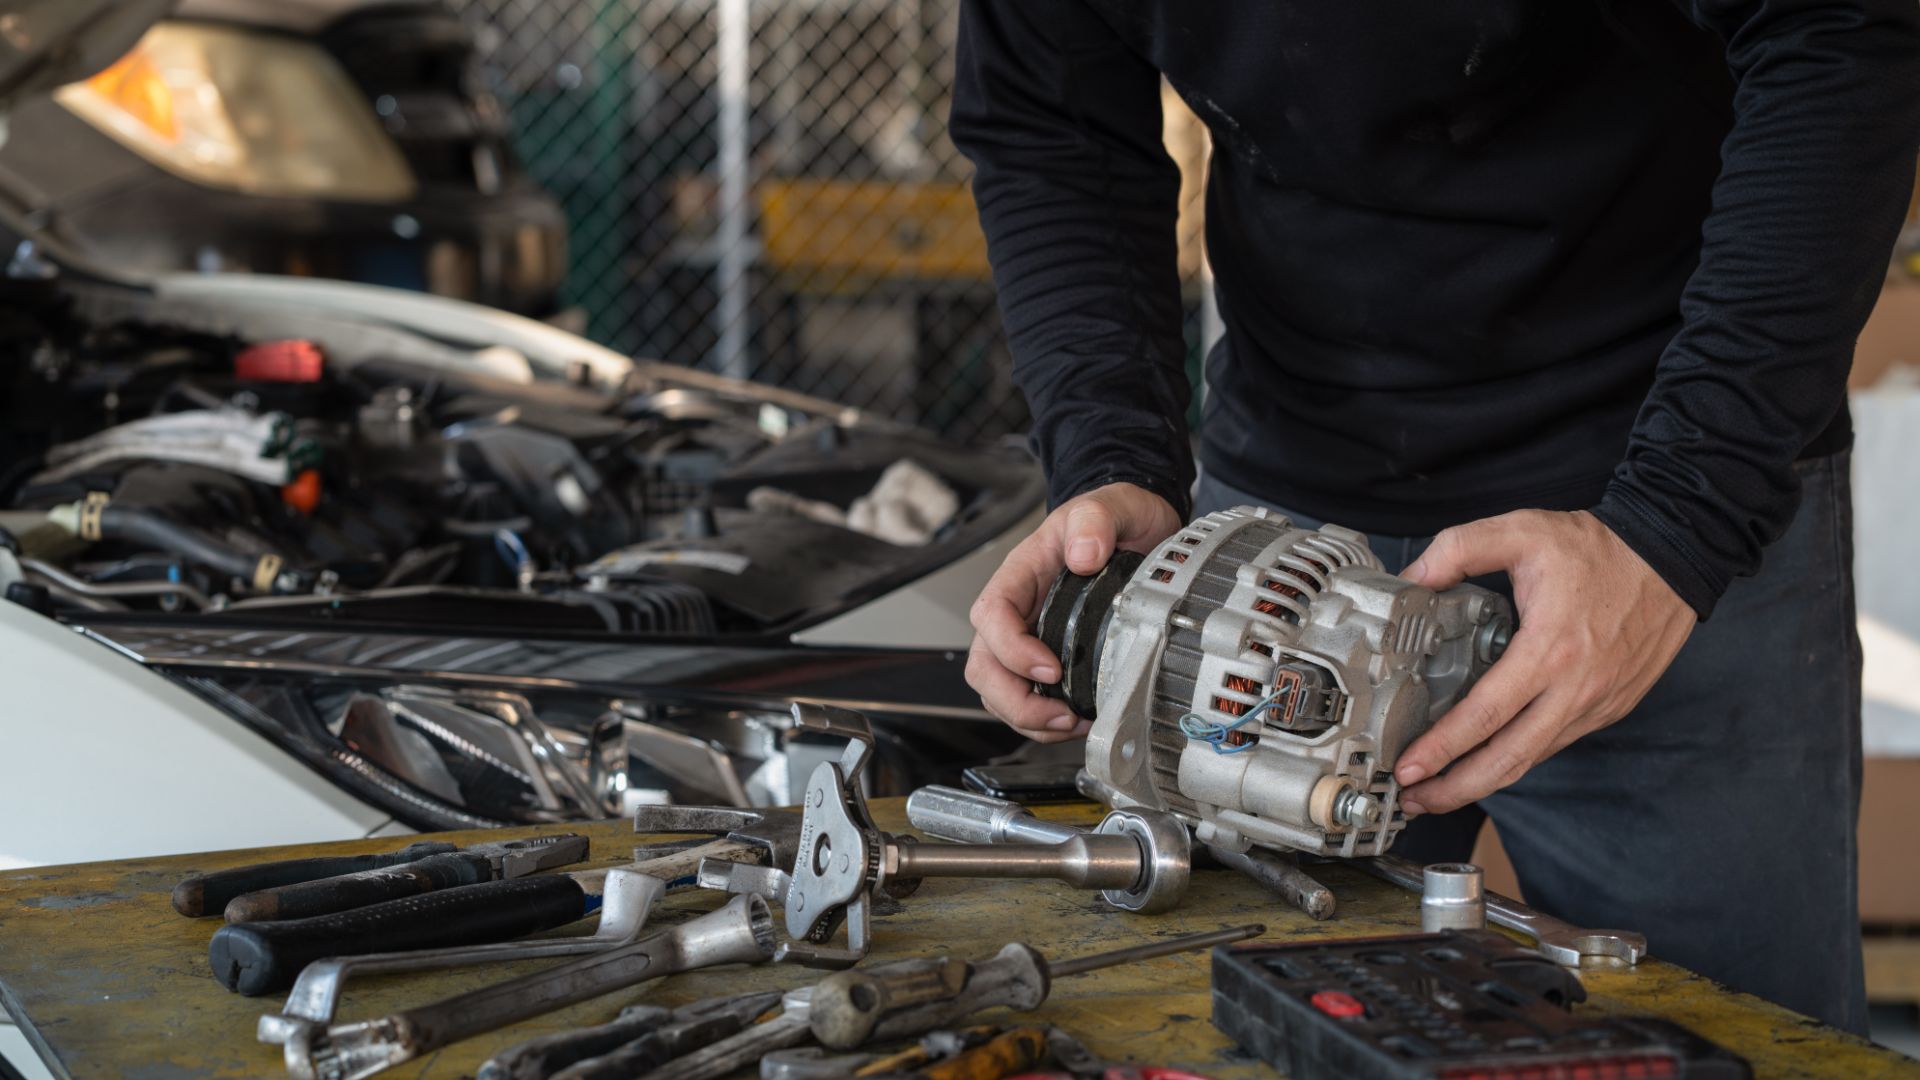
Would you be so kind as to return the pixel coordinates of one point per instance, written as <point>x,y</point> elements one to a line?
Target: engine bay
<point>161,468</point>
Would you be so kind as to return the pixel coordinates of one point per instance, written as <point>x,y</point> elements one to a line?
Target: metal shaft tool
<point>910,997</point>
<point>629,898</point>
<point>739,933</point>
<point>1563,942</point>
<point>971,818</point>
<point>1140,861</point>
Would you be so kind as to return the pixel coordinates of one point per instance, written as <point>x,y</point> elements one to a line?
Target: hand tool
<point>495,861</point>
<point>769,837</point>
<point>814,1063</point>
<point>1079,1063</point>
<point>256,958</point>
<point>1563,942</point>
<point>729,1055</point>
<point>904,998</point>
<point>1452,897</point>
<point>966,817</point>
<point>1140,861</point>
<point>999,1057</point>
<point>641,1038</point>
<point>907,997</point>
<point>209,894</point>
<point>739,933</point>
<point>629,898</point>
<point>1456,1004</point>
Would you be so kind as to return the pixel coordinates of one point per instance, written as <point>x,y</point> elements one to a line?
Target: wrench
<point>629,898</point>
<point>644,1037</point>
<point>1562,942</point>
<point>729,1055</point>
<point>739,933</point>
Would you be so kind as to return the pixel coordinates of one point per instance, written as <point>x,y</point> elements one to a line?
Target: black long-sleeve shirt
<point>1471,256</point>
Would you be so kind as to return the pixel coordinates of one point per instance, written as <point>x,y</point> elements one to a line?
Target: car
<point>348,139</point>
<point>291,559</point>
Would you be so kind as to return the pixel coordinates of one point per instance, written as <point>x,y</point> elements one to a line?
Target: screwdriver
<point>910,997</point>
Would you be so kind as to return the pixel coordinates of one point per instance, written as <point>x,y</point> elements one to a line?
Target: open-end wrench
<point>629,898</point>
<point>1562,942</point>
<point>971,818</point>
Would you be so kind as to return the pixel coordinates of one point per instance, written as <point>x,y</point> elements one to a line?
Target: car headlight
<point>253,112</point>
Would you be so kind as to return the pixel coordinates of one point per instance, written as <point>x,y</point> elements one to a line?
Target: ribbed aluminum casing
<point>1200,630</point>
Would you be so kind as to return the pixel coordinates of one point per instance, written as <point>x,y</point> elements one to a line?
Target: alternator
<point>1259,680</point>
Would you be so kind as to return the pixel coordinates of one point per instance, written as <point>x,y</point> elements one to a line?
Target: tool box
<point>1466,1005</point>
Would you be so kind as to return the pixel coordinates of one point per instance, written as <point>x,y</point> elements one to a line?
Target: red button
<point>1338,1004</point>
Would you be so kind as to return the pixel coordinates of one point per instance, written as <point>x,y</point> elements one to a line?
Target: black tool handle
<point>209,894</point>
<point>255,958</point>
<point>309,898</point>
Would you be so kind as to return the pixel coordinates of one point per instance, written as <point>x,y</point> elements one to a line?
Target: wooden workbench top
<point>110,982</point>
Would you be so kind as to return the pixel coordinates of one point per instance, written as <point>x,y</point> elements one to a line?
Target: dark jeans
<point>1718,817</point>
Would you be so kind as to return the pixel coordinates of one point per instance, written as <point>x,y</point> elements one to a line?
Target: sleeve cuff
<point>1177,496</point>
<point>1664,546</point>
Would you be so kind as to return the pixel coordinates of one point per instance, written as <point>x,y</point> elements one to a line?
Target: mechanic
<point>1565,292</point>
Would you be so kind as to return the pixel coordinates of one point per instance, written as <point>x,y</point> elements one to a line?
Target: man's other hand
<point>1006,659</point>
<point>1597,627</point>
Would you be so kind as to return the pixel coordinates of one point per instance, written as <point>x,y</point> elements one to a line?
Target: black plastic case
<point>1451,1006</point>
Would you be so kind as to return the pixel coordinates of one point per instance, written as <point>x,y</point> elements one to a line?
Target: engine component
<point>1258,680</point>
<point>262,447</point>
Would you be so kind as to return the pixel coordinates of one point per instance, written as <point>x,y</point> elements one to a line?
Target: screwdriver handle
<point>209,894</point>
<point>306,899</point>
<point>255,958</point>
<point>911,997</point>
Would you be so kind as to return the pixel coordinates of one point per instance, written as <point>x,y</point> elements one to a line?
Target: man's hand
<point>1006,659</point>
<point>1597,627</point>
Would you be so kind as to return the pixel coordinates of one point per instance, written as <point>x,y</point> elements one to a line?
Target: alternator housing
<point>1259,680</point>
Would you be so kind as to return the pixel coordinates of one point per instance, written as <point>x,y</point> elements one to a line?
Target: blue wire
<point>511,550</point>
<point>1200,729</point>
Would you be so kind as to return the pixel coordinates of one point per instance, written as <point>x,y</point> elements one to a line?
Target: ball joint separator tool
<point>1139,860</point>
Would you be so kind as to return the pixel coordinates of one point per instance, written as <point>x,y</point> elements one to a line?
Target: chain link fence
<point>766,189</point>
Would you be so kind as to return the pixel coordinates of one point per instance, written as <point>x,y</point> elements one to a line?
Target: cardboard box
<point>1892,333</point>
<point>1889,850</point>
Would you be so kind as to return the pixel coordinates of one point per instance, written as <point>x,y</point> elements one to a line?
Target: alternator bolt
<point>1356,808</point>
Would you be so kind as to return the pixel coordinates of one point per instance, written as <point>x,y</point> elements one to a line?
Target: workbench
<point>109,981</point>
